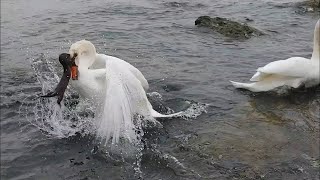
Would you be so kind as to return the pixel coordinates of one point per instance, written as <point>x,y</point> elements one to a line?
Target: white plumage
<point>293,72</point>
<point>116,88</point>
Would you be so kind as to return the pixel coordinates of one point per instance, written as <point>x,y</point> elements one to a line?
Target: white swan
<point>117,89</point>
<point>292,72</point>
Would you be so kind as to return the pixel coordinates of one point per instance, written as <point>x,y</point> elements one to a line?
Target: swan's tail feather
<point>268,83</point>
<point>124,98</point>
<point>240,85</point>
<point>254,87</point>
<point>259,76</point>
<point>256,76</point>
<point>155,114</point>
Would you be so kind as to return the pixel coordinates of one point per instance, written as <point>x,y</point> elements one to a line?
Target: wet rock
<point>314,3</point>
<point>306,6</point>
<point>78,163</point>
<point>172,87</point>
<point>309,6</point>
<point>227,27</point>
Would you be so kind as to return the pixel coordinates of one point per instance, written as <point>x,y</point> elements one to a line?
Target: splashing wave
<point>73,116</point>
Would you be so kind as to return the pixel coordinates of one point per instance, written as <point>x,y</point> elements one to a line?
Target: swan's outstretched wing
<point>124,98</point>
<point>101,60</point>
<point>292,67</point>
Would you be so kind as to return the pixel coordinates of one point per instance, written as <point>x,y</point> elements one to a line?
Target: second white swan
<point>293,72</point>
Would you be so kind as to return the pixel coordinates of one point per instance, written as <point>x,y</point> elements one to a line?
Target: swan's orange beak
<point>74,69</point>
<point>74,72</point>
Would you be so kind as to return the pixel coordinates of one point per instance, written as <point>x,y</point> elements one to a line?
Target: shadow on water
<point>265,138</point>
<point>298,108</point>
<point>269,128</point>
<point>68,158</point>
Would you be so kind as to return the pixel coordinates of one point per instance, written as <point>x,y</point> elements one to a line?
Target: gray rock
<point>227,27</point>
<point>309,6</point>
<point>314,4</point>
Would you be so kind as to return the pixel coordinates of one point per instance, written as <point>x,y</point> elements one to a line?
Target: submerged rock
<point>302,7</point>
<point>315,4</point>
<point>309,6</point>
<point>227,27</point>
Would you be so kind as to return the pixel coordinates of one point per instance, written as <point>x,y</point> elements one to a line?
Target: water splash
<point>74,116</point>
<point>195,109</point>
<point>46,114</point>
<point>155,95</point>
<point>78,117</point>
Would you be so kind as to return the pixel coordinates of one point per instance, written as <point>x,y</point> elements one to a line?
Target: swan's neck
<point>316,42</point>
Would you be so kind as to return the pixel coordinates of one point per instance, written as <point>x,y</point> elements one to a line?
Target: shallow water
<point>242,135</point>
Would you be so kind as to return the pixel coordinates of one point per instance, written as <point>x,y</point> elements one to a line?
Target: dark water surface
<point>242,135</point>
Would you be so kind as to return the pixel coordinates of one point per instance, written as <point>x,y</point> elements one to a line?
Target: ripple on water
<point>242,135</point>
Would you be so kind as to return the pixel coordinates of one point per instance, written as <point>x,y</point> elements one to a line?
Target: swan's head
<point>83,53</point>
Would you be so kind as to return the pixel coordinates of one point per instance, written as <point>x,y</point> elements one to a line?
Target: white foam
<point>195,110</point>
<point>45,113</point>
<point>62,122</point>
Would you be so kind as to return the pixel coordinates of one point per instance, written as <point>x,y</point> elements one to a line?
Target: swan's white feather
<point>292,67</point>
<point>258,76</point>
<point>292,72</point>
<point>101,60</point>
<point>117,90</point>
<point>124,98</point>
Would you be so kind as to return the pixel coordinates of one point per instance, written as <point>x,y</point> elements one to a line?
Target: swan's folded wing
<point>101,60</point>
<point>292,67</point>
<point>123,99</point>
<point>140,77</point>
<point>258,76</point>
<point>99,74</point>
